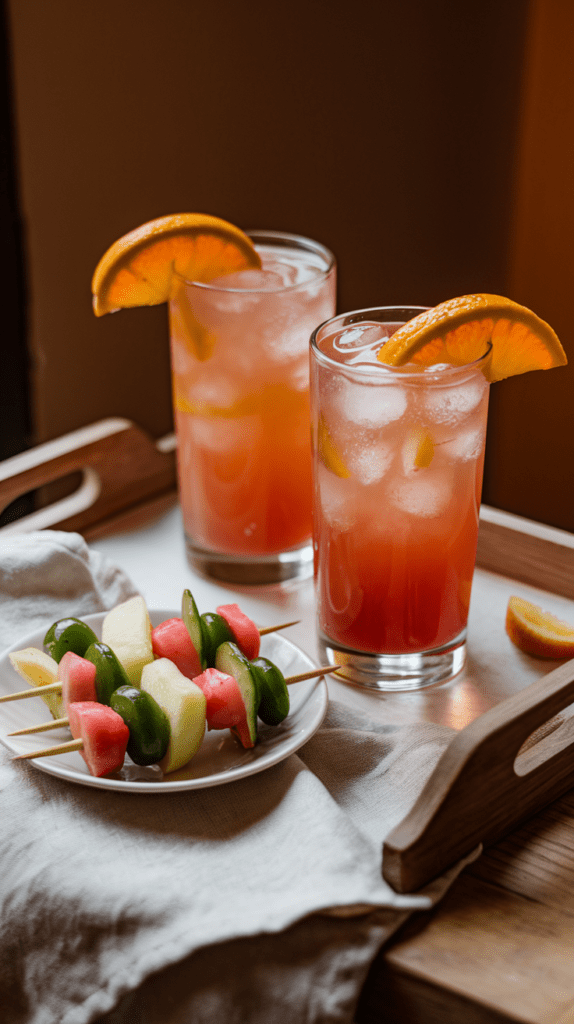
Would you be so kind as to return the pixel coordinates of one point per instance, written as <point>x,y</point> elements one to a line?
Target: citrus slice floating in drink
<point>459,330</point>
<point>138,269</point>
<point>329,453</point>
<point>538,632</point>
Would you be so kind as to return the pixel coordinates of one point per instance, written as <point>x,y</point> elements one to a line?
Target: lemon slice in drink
<point>138,269</point>
<point>458,332</point>
<point>537,632</point>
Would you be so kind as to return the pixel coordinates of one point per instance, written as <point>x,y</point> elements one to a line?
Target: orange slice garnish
<point>138,269</point>
<point>537,632</point>
<point>458,332</point>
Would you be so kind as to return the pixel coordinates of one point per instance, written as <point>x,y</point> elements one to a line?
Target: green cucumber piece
<point>274,701</point>
<point>147,722</point>
<point>218,633</point>
<point>110,674</point>
<point>68,634</point>
<point>230,659</point>
<point>195,627</point>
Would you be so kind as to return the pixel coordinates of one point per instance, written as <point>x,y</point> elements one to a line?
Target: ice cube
<point>220,434</point>
<point>360,336</point>
<point>336,499</point>
<point>466,445</point>
<point>369,463</point>
<point>270,280</point>
<point>215,390</point>
<point>367,405</point>
<point>423,495</point>
<point>452,404</point>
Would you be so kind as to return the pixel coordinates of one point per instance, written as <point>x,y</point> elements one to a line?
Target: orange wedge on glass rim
<point>138,269</point>
<point>538,632</point>
<point>458,331</point>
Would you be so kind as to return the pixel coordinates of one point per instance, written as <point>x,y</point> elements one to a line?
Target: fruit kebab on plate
<point>164,687</point>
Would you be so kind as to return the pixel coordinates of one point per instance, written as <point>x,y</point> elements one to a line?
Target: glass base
<point>251,569</point>
<point>386,672</point>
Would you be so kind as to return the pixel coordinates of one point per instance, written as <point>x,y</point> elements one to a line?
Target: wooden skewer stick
<point>63,748</point>
<point>34,691</point>
<point>54,723</point>
<point>311,674</point>
<point>273,629</point>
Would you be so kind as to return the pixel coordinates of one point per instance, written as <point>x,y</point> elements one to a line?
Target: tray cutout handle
<point>122,468</point>
<point>485,784</point>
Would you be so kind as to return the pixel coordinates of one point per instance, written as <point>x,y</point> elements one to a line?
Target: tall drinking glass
<point>398,460</point>
<point>240,368</point>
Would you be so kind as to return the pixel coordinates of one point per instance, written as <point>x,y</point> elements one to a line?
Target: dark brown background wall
<point>386,130</point>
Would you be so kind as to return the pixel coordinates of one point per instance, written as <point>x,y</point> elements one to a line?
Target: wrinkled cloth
<point>257,902</point>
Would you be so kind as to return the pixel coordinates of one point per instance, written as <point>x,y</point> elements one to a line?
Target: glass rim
<point>391,373</point>
<point>283,238</point>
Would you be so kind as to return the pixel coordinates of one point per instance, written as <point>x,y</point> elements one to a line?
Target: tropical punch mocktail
<point>398,408</point>
<point>240,367</point>
<point>398,471</point>
<point>242,309</point>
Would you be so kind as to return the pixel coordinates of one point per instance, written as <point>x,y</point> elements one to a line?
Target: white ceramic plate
<point>220,758</point>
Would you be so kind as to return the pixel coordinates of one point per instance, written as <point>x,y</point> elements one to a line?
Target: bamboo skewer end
<point>62,748</point>
<point>273,629</point>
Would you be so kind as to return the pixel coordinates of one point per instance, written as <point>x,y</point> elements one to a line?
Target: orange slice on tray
<point>537,632</point>
<point>138,269</point>
<point>458,332</point>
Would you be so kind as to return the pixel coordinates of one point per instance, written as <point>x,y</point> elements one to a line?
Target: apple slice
<point>127,630</point>
<point>39,669</point>
<point>185,706</point>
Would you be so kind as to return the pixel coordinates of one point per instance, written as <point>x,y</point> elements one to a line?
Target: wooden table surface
<point>498,948</point>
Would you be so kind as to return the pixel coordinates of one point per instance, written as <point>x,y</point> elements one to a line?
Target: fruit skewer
<point>58,723</point>
<point>164,679</point>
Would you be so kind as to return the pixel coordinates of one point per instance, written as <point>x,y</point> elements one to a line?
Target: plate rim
<point>273,757</point>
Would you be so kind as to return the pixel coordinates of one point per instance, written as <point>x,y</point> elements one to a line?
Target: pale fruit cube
<point>39,669</point>
<point>185,706</point>
<point>127,630</point>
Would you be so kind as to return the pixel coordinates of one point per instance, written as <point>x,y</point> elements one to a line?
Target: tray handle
<point>484,784</point>
<point>123,470</point>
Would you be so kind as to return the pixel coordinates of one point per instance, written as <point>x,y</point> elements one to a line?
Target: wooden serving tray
<point>493,775</point>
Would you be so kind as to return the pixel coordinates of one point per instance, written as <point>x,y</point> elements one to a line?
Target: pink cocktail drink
<point>398,473</point>
<point>241,397</point>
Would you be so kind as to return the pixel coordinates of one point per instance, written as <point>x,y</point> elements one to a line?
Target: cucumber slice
<point>68,634</point>
<point>229,659</point>
<point>110,674</point>
<point>218,632</point>
<point>195,627</point>
<point>274,702</point>
<point>147,722</point>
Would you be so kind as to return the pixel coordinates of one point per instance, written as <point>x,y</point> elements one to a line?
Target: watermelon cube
<point>225,707</point>
<point>104,734</point>
<point>244,630</point>
<point>78,678</point>
<point>171,640</point>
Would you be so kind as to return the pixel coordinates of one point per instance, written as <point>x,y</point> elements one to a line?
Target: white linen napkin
<point>257,902</point>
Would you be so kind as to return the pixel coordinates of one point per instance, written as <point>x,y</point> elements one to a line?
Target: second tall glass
<point>240,370</point>
<point>398,471</point>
